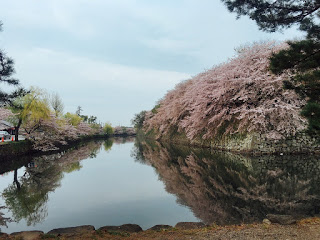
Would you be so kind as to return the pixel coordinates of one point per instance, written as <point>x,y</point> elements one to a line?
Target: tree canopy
<point>237,98</point>
<point>273,15</point>
<point>6,72</point>
<point>29,111</point>
<point>301,58</point>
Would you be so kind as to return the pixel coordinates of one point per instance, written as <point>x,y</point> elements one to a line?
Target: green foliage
<point>48,236</point>
<point>84,118</point>
<point>92,119</point>
<point>96,127</point>
<point>6,72</point>
<point>117,233</point>
<point>30,110</point>
<point>107,144</point>
<point>138,120</point>
<point>76,166</point>
<point>301,58</point>
<point>155,109</point>
<point>35,106</point>
<point>274,15</point>
<point>312,112</point>
<point>107,129</point>
<point>73,119</point>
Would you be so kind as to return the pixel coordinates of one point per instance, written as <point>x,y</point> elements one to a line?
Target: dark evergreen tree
<point>6,72</point>
<point>302,57</point>
<point>138,120</point>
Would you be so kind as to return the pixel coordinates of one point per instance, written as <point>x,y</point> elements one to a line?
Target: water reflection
<point>4,220</point>
<point>218,187</point>
<point>27,196</point>
<point>224,188</point>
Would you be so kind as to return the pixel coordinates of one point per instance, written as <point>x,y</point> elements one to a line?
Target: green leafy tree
<point>92,119</point>
<point>275,15</point>
<point>73,119</point>
<point>107,129</point>
<point>301,58</point>
<point>138,120</point>
<point>84,118</point>
<point>29,111</point>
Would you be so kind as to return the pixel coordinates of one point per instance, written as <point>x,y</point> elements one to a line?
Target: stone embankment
<point>274,227</point>
<point>259,144</point>
<point>123,230</point>
<point>253,144</point>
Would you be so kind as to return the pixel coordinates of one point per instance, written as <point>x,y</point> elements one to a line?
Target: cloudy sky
<point>115,58</point>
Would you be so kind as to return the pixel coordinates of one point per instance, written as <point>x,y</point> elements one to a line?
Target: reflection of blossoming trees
<point>3,220</point>
<point>226,188</point>
<point>121,140</point>
<point>26,197</point>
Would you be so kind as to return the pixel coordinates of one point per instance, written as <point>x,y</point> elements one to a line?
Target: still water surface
<point>94,184</point>
<point>121,181</point>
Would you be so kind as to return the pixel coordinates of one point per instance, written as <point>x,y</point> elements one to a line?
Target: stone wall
<point>256,144</point>
<point>259,144</point>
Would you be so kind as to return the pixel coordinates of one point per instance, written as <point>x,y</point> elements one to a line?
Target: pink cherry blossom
<point>238,97</point>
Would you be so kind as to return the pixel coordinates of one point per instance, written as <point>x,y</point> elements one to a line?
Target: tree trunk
<point>16,130</point>
<point>15,179</point>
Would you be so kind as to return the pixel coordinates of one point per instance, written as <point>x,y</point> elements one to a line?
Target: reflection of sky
<point>111,189</point>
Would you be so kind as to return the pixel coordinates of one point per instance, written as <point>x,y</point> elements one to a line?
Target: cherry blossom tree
<point>238,97</point>
<point>5,113</point>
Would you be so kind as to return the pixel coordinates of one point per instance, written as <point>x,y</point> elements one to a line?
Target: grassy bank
<point>8,149</point>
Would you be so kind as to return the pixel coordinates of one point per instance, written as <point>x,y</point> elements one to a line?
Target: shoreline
<point>24,147</point>
<point>306,228</point>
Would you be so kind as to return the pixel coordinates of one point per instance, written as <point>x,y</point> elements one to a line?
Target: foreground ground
<point>304,229</point>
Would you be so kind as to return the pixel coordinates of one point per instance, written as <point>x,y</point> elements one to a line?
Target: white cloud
<point>99,87</point>
<point>102,54</point>
<point>62,68</point>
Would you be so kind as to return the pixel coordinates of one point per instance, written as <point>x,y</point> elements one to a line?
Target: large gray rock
<point>189,225</point>
<point>72,230</point>
<point>160,227</point>
<point>27,235</point>
<point>282,219</point>
<point>123,228</point>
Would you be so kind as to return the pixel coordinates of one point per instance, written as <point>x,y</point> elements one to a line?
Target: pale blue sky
<point>115,58</point>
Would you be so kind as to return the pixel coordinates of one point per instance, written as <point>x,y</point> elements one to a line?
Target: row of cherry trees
<point>238,97</point>
<point>41,117</point>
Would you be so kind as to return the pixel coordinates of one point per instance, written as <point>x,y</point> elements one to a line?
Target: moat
<point>119,181</point>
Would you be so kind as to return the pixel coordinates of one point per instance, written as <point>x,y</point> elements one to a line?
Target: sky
<point>115,58</point>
